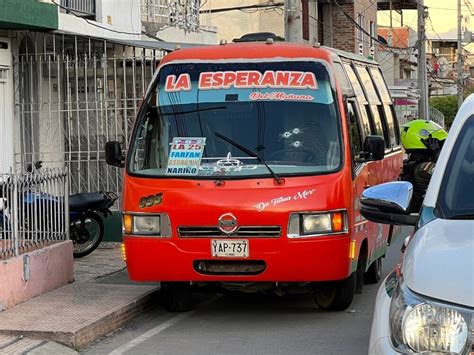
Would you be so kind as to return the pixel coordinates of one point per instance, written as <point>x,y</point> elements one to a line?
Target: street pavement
<point>251,324</point>
<point>101,300</point>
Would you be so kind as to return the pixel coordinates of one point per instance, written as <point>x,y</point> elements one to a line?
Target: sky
<point>443,15</point>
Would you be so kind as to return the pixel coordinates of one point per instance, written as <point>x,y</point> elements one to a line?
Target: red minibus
<point>245,169</point>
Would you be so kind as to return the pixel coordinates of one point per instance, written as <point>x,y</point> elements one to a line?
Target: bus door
<point>360,175</point>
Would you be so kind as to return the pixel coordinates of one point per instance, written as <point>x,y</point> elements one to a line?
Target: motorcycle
<point>86,226</point>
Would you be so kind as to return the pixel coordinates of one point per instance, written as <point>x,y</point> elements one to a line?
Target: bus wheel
<point>374,273</point>
<point>176,296</point>
<point>335,295</point>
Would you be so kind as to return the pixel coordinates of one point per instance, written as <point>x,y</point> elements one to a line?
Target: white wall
<point>234,24</point>
<point>6,109</point>
<point>390,63</point>
<point>124,15</point>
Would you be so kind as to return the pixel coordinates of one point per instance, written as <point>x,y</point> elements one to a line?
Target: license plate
<point>233,248</point>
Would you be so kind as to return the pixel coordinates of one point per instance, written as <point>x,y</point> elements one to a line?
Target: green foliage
<point>448,105</point>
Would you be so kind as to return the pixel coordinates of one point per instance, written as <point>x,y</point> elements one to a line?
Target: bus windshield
<point>285,112</point>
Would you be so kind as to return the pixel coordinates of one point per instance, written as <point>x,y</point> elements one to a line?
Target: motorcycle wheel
<point>88,239</point>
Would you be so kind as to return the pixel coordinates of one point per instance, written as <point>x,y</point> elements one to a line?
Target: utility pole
<point>293,25</point>
<point>460,58</point>
<point>422,73</point>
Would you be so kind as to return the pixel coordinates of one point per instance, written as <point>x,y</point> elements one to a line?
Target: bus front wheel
<point>335,295</point>
<point>176,296</point>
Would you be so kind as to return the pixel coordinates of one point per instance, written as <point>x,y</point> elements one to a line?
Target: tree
<point>448,105</point>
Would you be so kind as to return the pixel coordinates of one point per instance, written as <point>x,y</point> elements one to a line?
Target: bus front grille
<point>244,231</point>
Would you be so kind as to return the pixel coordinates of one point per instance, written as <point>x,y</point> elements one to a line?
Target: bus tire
<point>335,295</point>
<point>176,296</point>
<point>374,273</point>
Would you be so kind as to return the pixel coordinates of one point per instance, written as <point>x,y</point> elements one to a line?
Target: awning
<point>404,102</point>
<point>148,44</point>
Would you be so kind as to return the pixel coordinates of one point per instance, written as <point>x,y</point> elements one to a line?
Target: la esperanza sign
<point>245,79</point>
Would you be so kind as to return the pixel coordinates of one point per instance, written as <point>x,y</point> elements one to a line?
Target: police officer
<point>422,141</point>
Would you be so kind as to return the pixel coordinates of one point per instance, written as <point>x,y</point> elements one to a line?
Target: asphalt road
<point>251,324</point>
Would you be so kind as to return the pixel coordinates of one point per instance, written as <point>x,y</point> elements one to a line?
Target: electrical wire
<point>350,18</point>
<point>93,23</point>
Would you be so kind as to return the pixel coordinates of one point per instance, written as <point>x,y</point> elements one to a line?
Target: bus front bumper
<point>277,260</point>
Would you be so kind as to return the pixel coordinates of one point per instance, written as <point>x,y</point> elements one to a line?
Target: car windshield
<point>282,111</point>
<point>456,196</point>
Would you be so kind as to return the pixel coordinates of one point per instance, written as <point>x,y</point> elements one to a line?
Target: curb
<point>85,329</point>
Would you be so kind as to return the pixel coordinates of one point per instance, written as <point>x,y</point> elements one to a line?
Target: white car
<point>426,305</point>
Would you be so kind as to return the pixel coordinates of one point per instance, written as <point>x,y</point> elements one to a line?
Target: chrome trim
<point>242,231</point>
<point>394,195</point>
<point>303,236</point>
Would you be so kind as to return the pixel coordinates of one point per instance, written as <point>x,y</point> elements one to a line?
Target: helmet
<point>416,134</point>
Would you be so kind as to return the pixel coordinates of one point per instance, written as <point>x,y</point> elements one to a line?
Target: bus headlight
<point>307,224</point>
<point>316,223</point>
<point>147,225</point>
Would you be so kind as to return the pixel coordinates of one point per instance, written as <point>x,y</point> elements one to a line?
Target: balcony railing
<point>85,8</point>
<point>182,14</point>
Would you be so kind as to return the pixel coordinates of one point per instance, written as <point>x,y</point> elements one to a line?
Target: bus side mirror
<point>114,155</point>
<point>374,148</point>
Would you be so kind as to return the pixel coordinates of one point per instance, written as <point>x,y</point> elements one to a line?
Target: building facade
<point>73,75</point>
<point>349,25</point>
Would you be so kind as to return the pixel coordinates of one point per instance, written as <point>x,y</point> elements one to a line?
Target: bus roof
<point>352,56</point>
<point>260,50</point>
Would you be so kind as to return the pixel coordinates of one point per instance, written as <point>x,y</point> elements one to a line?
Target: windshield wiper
<point>194,111</point>
<point>278,180</point>
<point>468,215</point>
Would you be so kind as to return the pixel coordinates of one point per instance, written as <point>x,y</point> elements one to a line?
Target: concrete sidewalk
<point>100,301</point>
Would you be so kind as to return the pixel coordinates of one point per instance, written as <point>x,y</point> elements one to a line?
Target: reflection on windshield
<point>296,134</point>
<point>456,198</point>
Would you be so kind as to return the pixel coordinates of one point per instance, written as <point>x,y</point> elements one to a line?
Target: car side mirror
<point>388,203</point>
<point>374,148</point>
<point>114,155</point>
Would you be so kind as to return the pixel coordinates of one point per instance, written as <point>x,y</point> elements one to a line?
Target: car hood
<point>439,261</point>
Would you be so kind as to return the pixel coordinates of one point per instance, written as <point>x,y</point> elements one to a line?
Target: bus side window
<point>342,79</point>
<point>391,125</point>
<point>392,133</point>
<point>355,136</point>
<point>361,100</point>
<point>375,106</point>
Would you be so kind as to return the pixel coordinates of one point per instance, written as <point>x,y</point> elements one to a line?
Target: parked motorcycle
<point>86,213</point>
<point>86,227</point>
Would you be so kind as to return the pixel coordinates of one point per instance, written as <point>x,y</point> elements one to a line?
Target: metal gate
<point>72,95</point>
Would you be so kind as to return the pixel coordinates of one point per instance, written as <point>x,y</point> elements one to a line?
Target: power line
<point>350,18</point>
<point>242,8</point>
<point>93,23</point>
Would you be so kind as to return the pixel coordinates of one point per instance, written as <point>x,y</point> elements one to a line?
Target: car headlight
<point>425,326</point>
<point>147,225</point>
<point>308,224</point>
